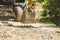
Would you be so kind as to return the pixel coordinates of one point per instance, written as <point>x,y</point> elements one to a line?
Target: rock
<point>14,23</point>
<point>1,24</point>
<point>11,19</point>
<point>58,31</point>
<point>35,25</point>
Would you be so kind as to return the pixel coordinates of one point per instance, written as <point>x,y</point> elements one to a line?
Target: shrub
<point>40,1</point>
<point>52,8</point>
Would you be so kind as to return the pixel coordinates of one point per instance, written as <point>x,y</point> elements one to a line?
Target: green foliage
<point>40,1</point>
<point>52,8</point>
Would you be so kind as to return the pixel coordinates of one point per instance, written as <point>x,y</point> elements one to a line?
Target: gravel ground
<point>20,33</point>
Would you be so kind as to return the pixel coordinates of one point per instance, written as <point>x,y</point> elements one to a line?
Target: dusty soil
<point>13,32</point>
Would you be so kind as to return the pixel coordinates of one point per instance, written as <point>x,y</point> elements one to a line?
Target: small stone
<point>58,31</point>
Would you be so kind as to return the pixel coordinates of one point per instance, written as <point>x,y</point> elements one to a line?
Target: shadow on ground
<point>6,18</point>
<point>48,20</point>
<point>45,20</point>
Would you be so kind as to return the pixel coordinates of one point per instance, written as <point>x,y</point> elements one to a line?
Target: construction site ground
<point>12,30</point>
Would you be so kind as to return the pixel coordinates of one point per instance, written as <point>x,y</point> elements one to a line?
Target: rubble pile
<point>18,33</point>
